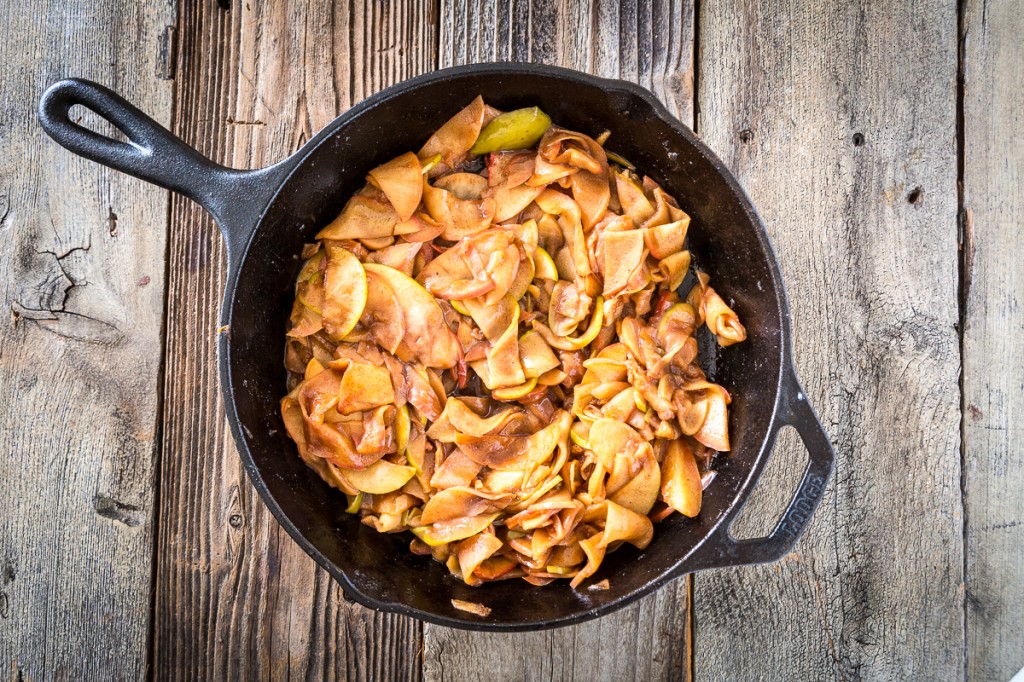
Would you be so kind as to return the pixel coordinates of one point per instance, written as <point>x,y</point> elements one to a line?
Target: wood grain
<point>235,597</point>
<point>993,387</point>
<point>81,283</point>
<point>840,120</point>
<point>651,44</point>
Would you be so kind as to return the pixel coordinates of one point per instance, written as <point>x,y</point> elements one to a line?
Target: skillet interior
<point>727,242</point>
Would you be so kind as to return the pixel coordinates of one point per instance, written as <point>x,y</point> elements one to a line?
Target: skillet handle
<point>721,549</point>
<point>236,198</point>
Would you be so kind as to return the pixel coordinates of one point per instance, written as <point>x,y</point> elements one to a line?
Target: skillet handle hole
<point>84,117</point>
<point>774,490</point>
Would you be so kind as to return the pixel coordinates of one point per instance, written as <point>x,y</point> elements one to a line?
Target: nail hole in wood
<point>858,140</point>
<point>916,196</point>
<point>746,136</point>
<point>235,520</point>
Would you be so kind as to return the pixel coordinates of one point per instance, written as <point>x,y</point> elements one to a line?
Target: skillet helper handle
<point>722,549</point>
<point>152,153</point>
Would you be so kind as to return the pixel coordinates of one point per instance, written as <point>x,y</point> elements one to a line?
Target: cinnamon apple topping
<point>487,350</point>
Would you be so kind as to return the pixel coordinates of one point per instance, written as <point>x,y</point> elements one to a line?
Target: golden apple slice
<point>510,201</point>
<point>634,202</point>
<point>365,387</point>
<point>680,479</point>
<point>426,333</point>
<point>461,501</point>
<point>641,491</point>
<point>545,265</point>
<point>625,524</point>
<point>454,139</point>
<point>443,532</point>
<point>344,292</point>
<point>380,477</point>
<point>536,355</point>
<point>464,186</point>
<point>458,217</point>
<point>401,181</point>
<point>382,314</point>
<point>510,393</point>
<point>402,428</point>
<point>610,439</point>
<point>664,240</point>
<point>367,215</point>
<point>474,551</point>
<point>400,256</point>
<point>621,254</point>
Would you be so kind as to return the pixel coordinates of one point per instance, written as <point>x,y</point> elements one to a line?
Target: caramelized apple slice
<point>380,477</point>
<point>426,333</point>
<point>680,479</point>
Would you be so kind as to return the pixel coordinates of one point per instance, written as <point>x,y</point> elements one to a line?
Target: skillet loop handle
<point>235,198</point>
<point>722,550</point>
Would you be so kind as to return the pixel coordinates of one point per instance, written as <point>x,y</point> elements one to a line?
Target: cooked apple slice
<point>401,181</point>
<point>641,491</point>
<point>621,254</point>
<point>364,387</point>
<point>680,479</point>
<point>474,551</point>
<point>510,201</point>
<point>672,270</point>
<point>611,438</point>
<point>402,428</point>
<point>592,192</point>
<point>628,525</point>
<point>448,276</point>
<point>676,325</point>
<point>664,240</point>
<point>568,308</point>
<point>510,393</point>
<point>367,215</point>
<point>454,139</point>
<point>631,195</point>
<point>517,129</point>
<point>426,333</point>
<point>382,315</point>
<point>536,355</point>
<point>460,501</point>
<point>545,265</point>
<point>344,292</point>
<point>443,532</point>
<point>458,217</point>
<point>380,477</point>
<point>504,369</point>
<point>464,186</point>
<point>400,256</point>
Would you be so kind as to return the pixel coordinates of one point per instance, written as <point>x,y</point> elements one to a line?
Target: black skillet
<point>267,215</point>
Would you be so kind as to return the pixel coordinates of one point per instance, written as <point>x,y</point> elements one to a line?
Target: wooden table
<point>882,145</point>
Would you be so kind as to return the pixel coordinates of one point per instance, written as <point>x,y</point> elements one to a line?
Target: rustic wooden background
<point>882,145</point>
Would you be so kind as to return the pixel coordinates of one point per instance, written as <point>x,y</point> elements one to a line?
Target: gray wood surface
<point>235,597</point>
<point>865,231</point>
<point>993,380</point>
<point>81,285</point>
<point>131,542</point>
<point>651,44</point>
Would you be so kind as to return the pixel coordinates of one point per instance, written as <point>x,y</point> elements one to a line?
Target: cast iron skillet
<point>267,215</point>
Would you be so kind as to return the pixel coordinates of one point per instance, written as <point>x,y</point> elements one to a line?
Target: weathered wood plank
<point>992,347</point>
<point>235,597</point>
<point>651,44</point>
<point>82,283</point>
<point>840,119</point>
